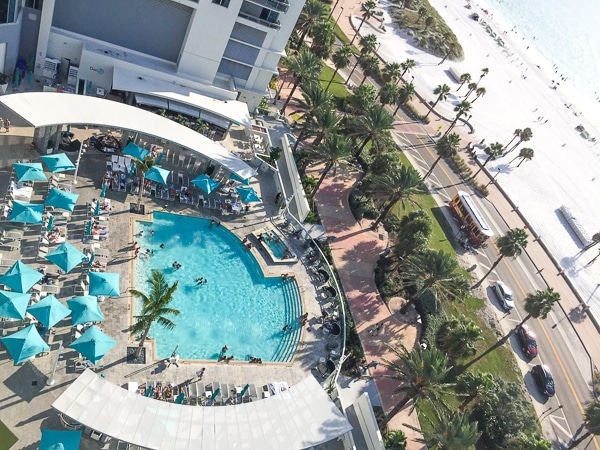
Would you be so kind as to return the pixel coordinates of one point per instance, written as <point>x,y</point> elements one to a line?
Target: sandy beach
<point>520,93</point>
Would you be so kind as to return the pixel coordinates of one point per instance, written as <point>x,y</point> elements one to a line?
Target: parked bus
<point>472,222</point>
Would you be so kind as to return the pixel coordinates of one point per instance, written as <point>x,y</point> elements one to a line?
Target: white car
<point>505,295</point>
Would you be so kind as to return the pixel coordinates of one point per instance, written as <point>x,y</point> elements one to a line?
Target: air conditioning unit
<point>50,67</point>
<point>73,75</point>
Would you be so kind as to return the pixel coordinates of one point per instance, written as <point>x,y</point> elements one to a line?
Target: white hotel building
<point>158,50</point>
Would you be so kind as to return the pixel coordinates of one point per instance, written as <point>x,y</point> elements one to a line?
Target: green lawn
<point>7,439</point>
<point>338,88</point>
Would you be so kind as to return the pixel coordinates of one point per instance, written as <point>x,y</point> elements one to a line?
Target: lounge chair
<point>192,393</point>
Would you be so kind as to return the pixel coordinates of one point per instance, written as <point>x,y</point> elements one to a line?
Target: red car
<point>527,341</point>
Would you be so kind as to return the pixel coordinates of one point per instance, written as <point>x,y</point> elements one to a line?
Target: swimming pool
<point>238,306</point>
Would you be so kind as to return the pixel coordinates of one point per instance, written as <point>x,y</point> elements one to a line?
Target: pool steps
<point>293,306</point>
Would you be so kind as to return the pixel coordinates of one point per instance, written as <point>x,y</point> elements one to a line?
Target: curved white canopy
<point>298,418</point>
<point>42,109</point>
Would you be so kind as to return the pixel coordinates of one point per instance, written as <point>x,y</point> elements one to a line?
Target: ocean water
<point>566,34</point>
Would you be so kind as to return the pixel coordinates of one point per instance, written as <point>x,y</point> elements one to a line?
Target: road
<point>559,347</point>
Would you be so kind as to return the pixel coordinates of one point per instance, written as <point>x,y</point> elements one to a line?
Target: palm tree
<point>526,154</point>
<point>362,98</point>
<point>368,10</point>
<point>389,94</point>
<point>313,13</point>
<point>373,125</point>
<point>422,12</point>
<point>592,422</point>
<point>394,440</point>
<point>527,441</point>
<point>516,134</point>
<point>401,185</point>
<point>445,147</point>
<point>510,245</point>
<point>461,109</point>
<point>457,336</point>
<point>525,135</point>
<point>142,167</point>
<point>335,149</point>
<point>464,78</point>
<point>450,48</point>
<point>432,272</point>
<point>407,91</point>
<point>368,44</point>
<point>391,72</point>
<point>407,66</point>
<point>480,386</point>
<point>493,151</point>
<point>421,375</point>
<point>304,67</point>
<point>200,126</point>
<point>341,60</point>
<point>324,123</point>
<point>314,97</point>
<point>484,72</point>
<point>480,92</point>
<point>428,21</point>
<point>450,430</point>
<point>369,66</point>
<point>442,92</point>
<point>323,35</point>
<point>472,87</point>
<point>155,306</point>
<point>537,305</point>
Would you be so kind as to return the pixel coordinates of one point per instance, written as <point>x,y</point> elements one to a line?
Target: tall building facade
<point>226,49</point>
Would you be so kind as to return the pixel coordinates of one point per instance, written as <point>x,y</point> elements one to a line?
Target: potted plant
<point>3,83</point>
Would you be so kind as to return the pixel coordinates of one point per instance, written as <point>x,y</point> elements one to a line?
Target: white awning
<point>151,101</point>
<point>231,110</point>
<point>301,417</point>
<point>42,109</point>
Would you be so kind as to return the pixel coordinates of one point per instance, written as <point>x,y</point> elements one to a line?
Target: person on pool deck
<point>224,349</point>
<point>286,328</point>
<point>261,238</point>
<point>249,245</point>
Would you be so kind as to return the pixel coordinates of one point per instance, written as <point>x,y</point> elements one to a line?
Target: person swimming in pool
<point>176,265</point>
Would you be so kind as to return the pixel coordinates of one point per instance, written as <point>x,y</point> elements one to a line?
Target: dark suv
<point>543,379</point>
<point>527,341</point>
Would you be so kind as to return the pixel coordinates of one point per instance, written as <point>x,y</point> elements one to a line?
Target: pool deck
<point>25,400</point>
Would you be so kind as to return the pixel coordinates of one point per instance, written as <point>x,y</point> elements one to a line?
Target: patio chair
<point>192,393</point>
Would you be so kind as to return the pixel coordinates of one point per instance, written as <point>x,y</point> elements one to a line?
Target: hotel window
<point>224,3</point>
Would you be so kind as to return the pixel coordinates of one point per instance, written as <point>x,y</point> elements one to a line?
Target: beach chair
<point>193,393</point>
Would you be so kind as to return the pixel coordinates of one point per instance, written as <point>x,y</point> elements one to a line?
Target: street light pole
<point>82,148</point>
<point>339,15</point>
<point>50,381</point>
<point>333,9</point>
<point>494,178</point>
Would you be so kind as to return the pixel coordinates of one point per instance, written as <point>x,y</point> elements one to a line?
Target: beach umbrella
<point>180,398</point>
<point>27,213</point>
<point>93,344</point>
<point>29,172</point>
<point>61,199</point>
<point>91,259</point>
<point>49,311</point>
<point>236,177</point>
<point>160,158</point>
<point>88,228</point>
<point>60,440</point>
<point>135,151</point>
<point>103,192</point>
<point>58,162</point>
<point>157,174</point>
<point>205,183</point>
<point>244,390</point>
<point>13,304</point>
<point>217,392</point>
<point>20,277</point>
<point>105,283</point>
<point>85,309</point>
<point>25,344</point>
<point>248,195</point>
<point>66,256</point>
<point>97,209</point>
<point>50,222</point>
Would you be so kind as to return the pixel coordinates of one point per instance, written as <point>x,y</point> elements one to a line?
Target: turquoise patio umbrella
<point>248,195</point>
<point>135,151</point>
<point>85,309</point>
<point>58,162</point>
<point>236,177</point>
<point>30,172</point>
<point>61,199</point>
<point>93,344</point>
<point>20,277</point>
<point>180,398</point>
<point>24,344</point>
<point>88,228</point>
<point>157,174</point>
<point>27,213</point>
<point>244,390</point>
<point>60,440</point>
<point>66,256</point>
<point>50,222</point>
<point>13,304</point>
<point>103,192</point>
<point>105,283</point>
<point>97,209</point>
<point>217,392</point>
<point>205,183</point>
<point>49,311</point>
<point>91,259</point>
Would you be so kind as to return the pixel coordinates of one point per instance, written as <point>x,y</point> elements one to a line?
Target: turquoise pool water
<point>238,306</point>
<point>275,244</point>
